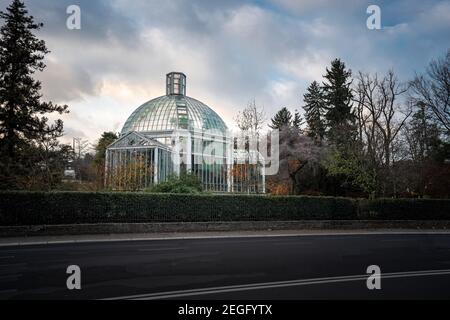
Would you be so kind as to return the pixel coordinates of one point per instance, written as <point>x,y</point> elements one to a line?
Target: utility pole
<point>79,147</point>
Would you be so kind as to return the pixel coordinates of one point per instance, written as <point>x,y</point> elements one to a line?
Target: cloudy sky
<point>231,51</point>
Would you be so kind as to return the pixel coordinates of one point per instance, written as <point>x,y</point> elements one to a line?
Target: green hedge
<point>35,208</point>
<point>405,209</point>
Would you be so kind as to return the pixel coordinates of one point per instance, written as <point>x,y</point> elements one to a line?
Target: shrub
<point>37,208</point>
<point>185,183</point>
<point>405,209</point>
<point>33,208</point>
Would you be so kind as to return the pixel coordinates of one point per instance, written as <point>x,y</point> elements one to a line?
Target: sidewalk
<point>39,240</point>
<point>215,227</point>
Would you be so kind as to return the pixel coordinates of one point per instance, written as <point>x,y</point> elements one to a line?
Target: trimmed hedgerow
<point>36,208</point>
<point>405,209</point>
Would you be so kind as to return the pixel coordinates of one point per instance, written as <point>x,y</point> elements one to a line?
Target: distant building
<point>175,134</point>
<point>69,172</point>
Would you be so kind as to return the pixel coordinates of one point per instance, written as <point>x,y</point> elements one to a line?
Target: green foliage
<point>24,130</point>
<point>422,135</point>
<point>353,169</point>
<point>32,208</point>
<point>298,121</point>
<point>19,92</point>
<point>185,183</point>
<point>75,186</point>
<point>338,97</point>
<point>282,119</point>
<point>314,111</point>
<point>405,209</point>
<point>36,167</point>
<point>37,208</point>
<point>105,140</point>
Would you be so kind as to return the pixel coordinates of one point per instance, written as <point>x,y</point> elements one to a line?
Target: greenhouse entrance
<point>135,162</point>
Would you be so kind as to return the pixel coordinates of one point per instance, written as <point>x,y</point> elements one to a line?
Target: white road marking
<point>278,284</point>
<point>233,236</point>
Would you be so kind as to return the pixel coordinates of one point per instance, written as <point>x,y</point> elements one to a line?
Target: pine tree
<point>314,111</point>
<point>100,149</point>
<point>338,95</point>
<point>23,124</point>
<point>282,119</point>
<point>422,134</point>
<point>298,121</point>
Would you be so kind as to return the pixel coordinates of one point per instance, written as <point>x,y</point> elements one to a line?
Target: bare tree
<point>367,116</point>
<point>433,89</point>
<point>80,147</point>
<point>381,115</point>
<point>251,119</point>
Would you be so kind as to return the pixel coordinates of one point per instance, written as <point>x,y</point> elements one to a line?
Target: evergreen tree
<point>339,117</point>
<point>298,121</point>
<point>100,149</point>
<point>23,125</point>
<point>282,119</point>
<point>314,111</point>
<point>422,135</point>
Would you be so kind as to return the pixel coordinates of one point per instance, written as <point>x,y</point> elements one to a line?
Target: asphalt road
<point>301,267</point>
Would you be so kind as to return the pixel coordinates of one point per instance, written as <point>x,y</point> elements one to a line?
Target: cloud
<point>307,6</point>
<point>62,82</point>
<point>436,18</point>
<point>232,51</point>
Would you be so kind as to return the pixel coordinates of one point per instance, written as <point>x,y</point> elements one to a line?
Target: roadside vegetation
<point>185,183</point>
<point>50,208</point>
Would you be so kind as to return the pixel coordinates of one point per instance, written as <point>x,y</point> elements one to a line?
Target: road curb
<point>172,227</point>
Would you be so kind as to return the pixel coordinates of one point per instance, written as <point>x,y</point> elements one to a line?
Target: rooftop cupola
<point>176,83</point>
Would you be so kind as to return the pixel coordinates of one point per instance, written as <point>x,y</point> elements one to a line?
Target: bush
<point>185,183</point>
<point>33,208</point>
<point>405,209</point>
<point>36,208</point>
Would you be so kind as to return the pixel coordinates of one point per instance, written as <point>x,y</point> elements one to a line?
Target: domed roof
<point>163,113</point>
<point>172,111</point>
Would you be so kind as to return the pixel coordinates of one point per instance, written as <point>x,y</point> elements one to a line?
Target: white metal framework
<point>176,134</point>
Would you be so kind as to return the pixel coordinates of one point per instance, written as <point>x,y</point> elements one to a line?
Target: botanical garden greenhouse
<point>175,134</point>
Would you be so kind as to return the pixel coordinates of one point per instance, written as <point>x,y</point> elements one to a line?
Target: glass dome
<point>173,111</point>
